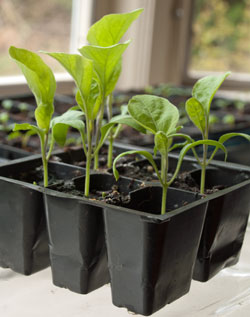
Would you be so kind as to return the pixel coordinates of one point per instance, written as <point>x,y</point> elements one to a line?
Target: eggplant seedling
<point>198,110</point>
<point>106,52</point>
<point>43,85</point>
<point>89,98</point>
<point>158,116</point>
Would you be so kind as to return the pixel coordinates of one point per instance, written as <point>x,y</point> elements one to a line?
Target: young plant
<point>89,98</point>
<point>43,85</point>
<point>7,104</point>
<point>23,137</point>
<point>158,116</point>
<point>198,110</point>
<point>106,53</point>
<point>4,118</point>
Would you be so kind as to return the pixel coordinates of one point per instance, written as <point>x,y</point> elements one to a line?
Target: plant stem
<point>204,162</point>
<point>50,148</point>
<point>44,142</point>
<point>164,199</point>
<point>110,152</point>
<point>111,139</point>
<point>98,129</point>
<point>88,158</point>
<point>203,178</point>
<point>164,174</point>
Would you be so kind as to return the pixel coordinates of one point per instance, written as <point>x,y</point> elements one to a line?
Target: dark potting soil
<point>35,176</point>
<point>183,181</point>
<point>113,196</point>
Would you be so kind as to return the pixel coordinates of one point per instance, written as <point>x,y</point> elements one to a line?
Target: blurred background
<point>174,41</point>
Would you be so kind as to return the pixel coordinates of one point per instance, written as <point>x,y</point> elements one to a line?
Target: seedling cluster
<point>96,70</point>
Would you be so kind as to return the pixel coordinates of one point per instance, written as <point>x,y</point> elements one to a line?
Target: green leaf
<point>110,29</point>
<point>161,142</point>
<point>206,142</point>
<point>228,136</point>
<point>146,154</point>
<point>107,63</point>
<point>81,69</point>
<point>61,124</point>
<point>205,89</point>
<point>27,126</point>
<point>41,82</point>
<point>196,114</point>
<point>154,113</point>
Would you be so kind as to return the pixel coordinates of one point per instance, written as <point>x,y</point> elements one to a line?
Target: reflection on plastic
<point>235,303</point>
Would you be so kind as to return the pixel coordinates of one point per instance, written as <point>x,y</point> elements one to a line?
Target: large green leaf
<point>41,82</point>
<point>107,63</point>
<point>154,113</point>
<point>196,114</point>
<point>205,89</point>
<point>111,28</point>
<point>80,68</point>
<point>29,127</point>
<point>61,124</point>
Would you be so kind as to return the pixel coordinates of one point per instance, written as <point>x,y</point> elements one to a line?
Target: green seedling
<point>7,104</point>
<point>24,137</point>
<point>23,106</point>
<point>89,98</point>
<point>198,110</point>
<point>106,52</point>
<point>4,125</point>
<point>213,119</point>
<point>158,116</point>
<point>43,85</point>
<point>240,105</point>
<point>4,117</point>
<point>228,119</point>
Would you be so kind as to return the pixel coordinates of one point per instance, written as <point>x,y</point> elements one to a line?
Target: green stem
<point>164,199</point>
<point>88,159</point>
<point>98,133</point>
<point>44,141</point>
<point>204,162</point>
<point>50,148</point>
<point>110,152</point>
<point>203,178</point>
<point>83,143</point>
<point>111,139</point>
<point>164,174</point>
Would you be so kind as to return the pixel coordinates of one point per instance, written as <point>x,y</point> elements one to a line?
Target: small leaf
<point>205,89</point>
<point>110,29</point>
<point>41,82</point>
<point>61,124</point>
<point>146,154</point>
<point>228,136</point>
<point>161,143</point>
<point>27,126</point>
<point>107,63</point>
<point>196,114</point>
<point>154,113</point>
